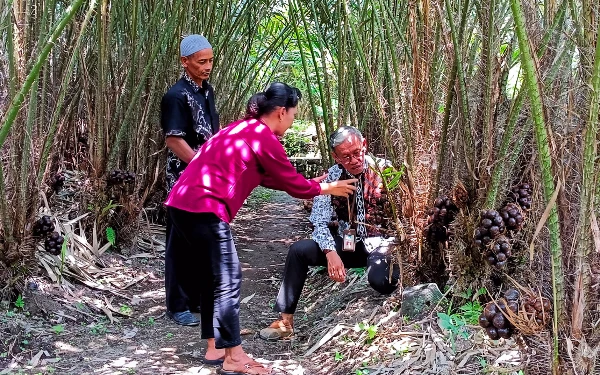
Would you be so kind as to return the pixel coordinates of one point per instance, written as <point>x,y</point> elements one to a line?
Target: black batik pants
<point>305,253</point>
<point>205,241</point>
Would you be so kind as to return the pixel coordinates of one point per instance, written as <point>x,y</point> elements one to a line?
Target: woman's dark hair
<point>277,95</point>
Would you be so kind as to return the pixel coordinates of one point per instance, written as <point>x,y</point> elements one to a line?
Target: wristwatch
<point>327,251</point>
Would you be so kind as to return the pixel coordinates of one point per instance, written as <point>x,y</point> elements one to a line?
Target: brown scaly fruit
<point>498,252</point>
<point>444,211</point>
<point>521,194</point>
<point>494,321</point>
<point>513,216</point>
<point>53,243</point>
<point>490,226</point>
<point>43,226</point>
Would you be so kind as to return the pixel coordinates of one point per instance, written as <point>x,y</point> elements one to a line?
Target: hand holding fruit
<point>341,188</point>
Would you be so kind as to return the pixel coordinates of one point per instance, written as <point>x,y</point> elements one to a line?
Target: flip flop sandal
<point>278,330</point>
<point>212,362</point>
<point>246,370</point>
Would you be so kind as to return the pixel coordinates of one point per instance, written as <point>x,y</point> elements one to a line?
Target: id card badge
<point>349,240</point>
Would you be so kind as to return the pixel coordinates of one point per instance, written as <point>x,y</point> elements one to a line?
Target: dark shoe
<point>195,309</point>
<point>184,318</point>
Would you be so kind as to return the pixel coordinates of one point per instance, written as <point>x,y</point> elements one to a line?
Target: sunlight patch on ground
<point>157,293</point>
<point>168,350</point>
<point>198,371</point>
<point>124,362</point>
<point>287,367</point>
<point>67,347</point>
<point>509,357</point>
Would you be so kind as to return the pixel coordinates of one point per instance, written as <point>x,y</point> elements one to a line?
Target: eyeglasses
<point>358,154</point>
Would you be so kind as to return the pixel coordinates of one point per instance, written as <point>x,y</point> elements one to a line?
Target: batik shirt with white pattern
<point>330,215</point>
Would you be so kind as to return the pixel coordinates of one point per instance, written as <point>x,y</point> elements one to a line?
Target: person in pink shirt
<point>208,195</point>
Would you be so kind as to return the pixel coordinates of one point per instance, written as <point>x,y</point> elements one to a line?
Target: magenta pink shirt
<point>230,165</point>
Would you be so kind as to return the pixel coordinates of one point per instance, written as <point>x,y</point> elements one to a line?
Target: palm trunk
<point>588,184</point>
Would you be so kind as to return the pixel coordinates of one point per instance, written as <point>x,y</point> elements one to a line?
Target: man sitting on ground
<point>348,232</point>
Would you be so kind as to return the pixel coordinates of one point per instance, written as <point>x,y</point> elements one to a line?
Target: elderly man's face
<point>199,65</point>
<point>351,154</point>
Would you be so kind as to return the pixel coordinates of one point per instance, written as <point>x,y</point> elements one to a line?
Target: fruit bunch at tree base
<point>494,319</point>
<point>118,177</point>
<point>498,252</point>
<point>491,226</point>
<point>378,209</point>
<point>440,216</point>
<point>43,226</point>
<point>53,243</point>
<point>521,194</point>
<point>57,181</point>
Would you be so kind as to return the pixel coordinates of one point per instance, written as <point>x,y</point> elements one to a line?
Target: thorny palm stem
<point>322,137</point>
<point>515,111</point>
<point>124,128</point>
<point>449,101</point>
<point>61,95</point>
<point>464,105</point>
<point>542,142</point>
<point>19,98</point>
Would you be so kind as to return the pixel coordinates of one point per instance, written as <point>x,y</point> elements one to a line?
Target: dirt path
<point>148,343</point>
<point>346,328</point>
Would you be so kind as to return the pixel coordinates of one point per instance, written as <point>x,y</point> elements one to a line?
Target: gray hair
<point>342,133</point>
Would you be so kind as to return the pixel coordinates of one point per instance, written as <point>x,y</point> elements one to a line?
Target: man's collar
<point>192,83</point>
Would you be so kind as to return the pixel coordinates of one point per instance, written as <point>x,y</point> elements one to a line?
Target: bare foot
<point>246,367</point>
<point>236,360</point>
<point>213,353</point>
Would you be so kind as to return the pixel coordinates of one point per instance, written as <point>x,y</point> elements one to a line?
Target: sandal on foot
<point>278,330</point>
<point>212,362</point>
<point>248,369</point>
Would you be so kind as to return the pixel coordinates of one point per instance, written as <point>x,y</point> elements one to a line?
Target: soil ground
<point>342,328</point>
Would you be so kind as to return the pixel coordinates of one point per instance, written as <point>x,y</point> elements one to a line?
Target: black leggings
<point>305,253</point>
<point>181,293</point>
<point>205,242</point>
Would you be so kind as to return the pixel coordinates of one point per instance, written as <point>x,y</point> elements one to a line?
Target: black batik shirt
<point>187,111</point>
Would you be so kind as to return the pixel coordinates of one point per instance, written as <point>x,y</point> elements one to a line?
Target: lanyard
<point>354,204</point>
<point>351,208</point>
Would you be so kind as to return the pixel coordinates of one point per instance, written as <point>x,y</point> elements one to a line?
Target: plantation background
<point>475,95</point>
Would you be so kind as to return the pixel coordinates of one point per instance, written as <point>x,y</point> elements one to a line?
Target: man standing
<point>188,118</point>
<point>348,232</point>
